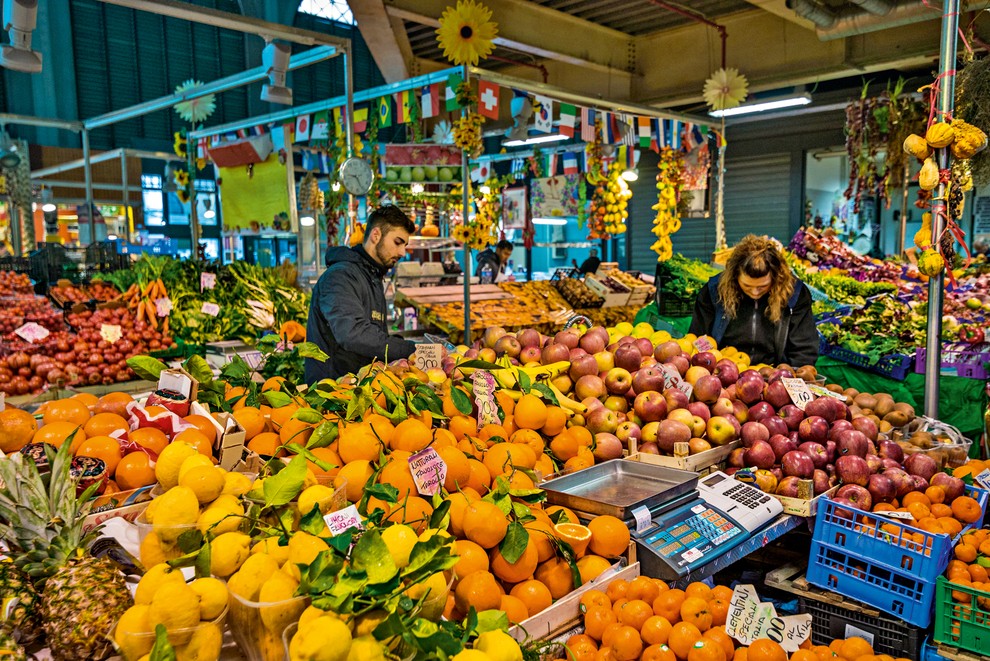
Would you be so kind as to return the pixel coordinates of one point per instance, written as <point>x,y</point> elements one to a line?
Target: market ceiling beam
<point>526,27</point>
<point>785,55</point>
<point>779,8</point>
<point>381,33</point>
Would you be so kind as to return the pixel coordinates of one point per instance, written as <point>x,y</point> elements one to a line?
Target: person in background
<point>757,305</point>
<point>348,317</point>
<point>589,265</point>
<point>493,259</point>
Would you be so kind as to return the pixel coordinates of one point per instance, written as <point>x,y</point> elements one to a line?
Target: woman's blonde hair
<point>756,257</point>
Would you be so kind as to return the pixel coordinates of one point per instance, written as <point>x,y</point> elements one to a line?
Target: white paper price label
<point>798,390</point>
<point>484,397</point>
<point>703,344</point>
<point>211,309</point>
<point>905,516</point>
<point>822,391</point>
<point>110,332</point>
<point>748,620</point>
<point>984,478</point>
<point>692,554</point>
<point>163,306</point>
<point>428,471</point>
<point>207,280</point>
<point>32,332</point>
<point>672,379</point>
<point>428,356</point>
<point>643,519</point>
<point>343,520</point>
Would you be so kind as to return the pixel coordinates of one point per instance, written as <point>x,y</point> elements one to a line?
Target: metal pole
<point>465,209</point>
<point>946,90</point>
<point>349,95</point>
<point>127,193</point>
<point>902,230</point>
<point>88,178</point>
<point>193,216</point>
<point>15,227</point>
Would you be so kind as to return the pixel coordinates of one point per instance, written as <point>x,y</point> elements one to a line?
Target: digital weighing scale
<point>679,522</point>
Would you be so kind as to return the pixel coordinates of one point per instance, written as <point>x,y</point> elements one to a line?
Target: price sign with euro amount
<point>211,309</point>
<point>207,280</point>
<point>798,390</point>
<point>32,332</point>
<point>672,379</point>
<point>703,344</point>
<point>748,620</point>
<point>428,471</point>
<point>163,306</point>
<point>428,356</point>
<point>110,332</point>
<point>484,397</point>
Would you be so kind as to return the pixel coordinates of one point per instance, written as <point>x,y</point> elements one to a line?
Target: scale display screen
<point>690,539</point>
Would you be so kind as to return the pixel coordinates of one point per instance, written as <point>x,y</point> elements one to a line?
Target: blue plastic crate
<point>895,366</point>
<point>899,593</point>
<point>929,652</point>
<point>862,535</point>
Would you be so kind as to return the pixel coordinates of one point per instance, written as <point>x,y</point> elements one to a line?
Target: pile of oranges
<point>644,620</point>
<point>932,512</point>
<point>971,567</point>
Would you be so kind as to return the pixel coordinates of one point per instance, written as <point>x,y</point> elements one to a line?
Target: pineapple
<point>24,618</point>
<point>10,650</point>
<point>81,596</point>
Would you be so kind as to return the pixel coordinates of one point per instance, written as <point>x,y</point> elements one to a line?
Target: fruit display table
<point>963,398</point>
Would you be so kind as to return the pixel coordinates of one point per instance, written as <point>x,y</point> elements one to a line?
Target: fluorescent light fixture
<point>549,221</point>
<point>48,207</point>
<point>209,213</point>
<point>535,140</point>
<point>764,105</point>
<point>630,175</point>
<point>111,237</point>
<point>416,189</point>
<point>484,189</point>
<point>307,221</point>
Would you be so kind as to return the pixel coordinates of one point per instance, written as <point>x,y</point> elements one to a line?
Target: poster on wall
<point>514,208</point>
<point>555,197</point>
<point>255,196</point>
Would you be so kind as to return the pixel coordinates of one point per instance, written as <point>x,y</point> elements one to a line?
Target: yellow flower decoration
<point>195,110</point>
<point>726,88</point>
<point>466,32</point>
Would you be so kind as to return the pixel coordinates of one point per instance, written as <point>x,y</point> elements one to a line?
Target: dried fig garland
<point>867,128</point>
<point>972,92</point>
<point>906,115</point>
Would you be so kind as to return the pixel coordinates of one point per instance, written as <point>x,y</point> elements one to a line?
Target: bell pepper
<point>971,334</point>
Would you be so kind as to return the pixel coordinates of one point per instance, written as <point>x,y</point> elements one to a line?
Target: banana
<point>567,403</point>
<point>550,371</point>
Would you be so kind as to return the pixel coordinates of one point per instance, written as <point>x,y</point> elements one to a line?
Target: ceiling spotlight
<point>47,201</point>
<point>630,175</point>
<point>10,156</point>
<point>307,221</point>
<point>168,181</point>
<point>535,140</point>
<point>485,189</point>
<point>19,19</point>
<point>209,213</point>
<point>335,186</point>
<point>275,60</point>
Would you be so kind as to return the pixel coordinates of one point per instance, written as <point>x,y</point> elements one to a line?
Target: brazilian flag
<point>384,112</point>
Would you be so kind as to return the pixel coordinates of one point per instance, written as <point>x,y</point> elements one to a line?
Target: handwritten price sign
<point>672,379</point>
<point>163,306</point>
<point>798,390</point>
<point>207,280</point>
<point>32,332</point>
<point>110,332</point>
<point>484,397</point>
<point>703,344</point>
<point>428,471</point>
<point>343,520</point>
<point>211,309</point>
<point>428,356</point>
<point>748,620</point>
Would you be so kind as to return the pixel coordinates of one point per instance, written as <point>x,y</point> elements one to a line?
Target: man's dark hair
<point>504,245</point>
<point>389,216</point>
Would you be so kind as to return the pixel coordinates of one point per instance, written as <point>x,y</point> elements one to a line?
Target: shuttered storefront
<point>757,198</point>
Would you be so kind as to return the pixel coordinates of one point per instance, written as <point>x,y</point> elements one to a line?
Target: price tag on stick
<point>798,390</point>
<point>207,280</point>
<point>32,332</point>
<point>484,397</point>
<point>428,356</point>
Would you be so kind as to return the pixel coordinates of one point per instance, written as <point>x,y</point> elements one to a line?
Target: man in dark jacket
<point>493,259</point>
<point>348,317</point>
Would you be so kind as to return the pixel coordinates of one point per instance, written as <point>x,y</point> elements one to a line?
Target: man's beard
<point>382,259</point>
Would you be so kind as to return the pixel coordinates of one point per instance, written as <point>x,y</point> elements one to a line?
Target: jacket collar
<point>377,268</point>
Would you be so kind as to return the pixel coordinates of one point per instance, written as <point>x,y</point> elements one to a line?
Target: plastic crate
<point>961,624</point>
<point>929,652</point>
<point>965,360</point>
<point>895,366</point>
<point>888,635</point>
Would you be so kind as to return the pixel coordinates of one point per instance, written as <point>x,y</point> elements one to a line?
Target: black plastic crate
<point>670,304</point>
<point>890,635</point>
<point>102,257</point>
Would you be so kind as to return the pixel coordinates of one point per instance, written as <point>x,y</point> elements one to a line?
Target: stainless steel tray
<point>617,487</point>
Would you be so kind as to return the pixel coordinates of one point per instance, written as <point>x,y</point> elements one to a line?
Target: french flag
<point>570,163</point>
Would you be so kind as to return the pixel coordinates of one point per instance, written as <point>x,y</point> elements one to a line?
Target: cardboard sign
<point>211,309</point>
<point>207,280</point>
<point>32,332</point>
<point>163,306</point>
<point>428,356</point>
<point>484,397</point>
<point>110,332</point>
<point>749,620</point>
<point>983,478</point>
<point>798,390</point>
<point>821,391</point>
<point>428,471</point>
<point>703,344</point>
<point>343,520</point>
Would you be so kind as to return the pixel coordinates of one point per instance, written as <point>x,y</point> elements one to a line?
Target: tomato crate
<point>962,624</point>
<point>863,535</point>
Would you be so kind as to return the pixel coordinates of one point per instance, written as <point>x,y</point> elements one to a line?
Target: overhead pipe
<point>877,7</point>
<point>821,16</point>
<point>850,25</point>
<point>722,32</point>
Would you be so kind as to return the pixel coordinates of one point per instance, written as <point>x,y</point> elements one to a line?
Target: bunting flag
<point>627,129</point>
<point>481,172</point>
<point>666,127</point>
<point>201,148</point>
<point>339,123</point>
<point>401,106</point>
<point>608,128</point>
<point>643,124</point>
<point>588,124</point>
<point>518,165</point>
<point>552,164</point>
<point>568,119</point>
<point>675,135</point>
<point>384,112</point>
<point>321,127</point>
<point>360,120</point>
<point>453,82</point>
<point>488,96</point>
<point>700,134</point>
<point>628,156</point>
<point>655,135</point>
<point>570,163</point>
<point>242,133</point>
<point>430,101</point>
<point>302,129</point>
<point>687,137</point>
<point>315,161</point>
<point>544,118</point>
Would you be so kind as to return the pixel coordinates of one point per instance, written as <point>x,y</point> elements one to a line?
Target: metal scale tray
<point>618,487</point>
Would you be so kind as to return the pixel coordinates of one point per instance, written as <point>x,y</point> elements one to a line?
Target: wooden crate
<point>419,297</point>
<point>612,299</point>
<point>702,463</point>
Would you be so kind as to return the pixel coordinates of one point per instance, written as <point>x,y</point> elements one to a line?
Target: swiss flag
<point>488,94</point>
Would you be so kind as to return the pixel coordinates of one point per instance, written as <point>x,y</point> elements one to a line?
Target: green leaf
<point>295,448</point>
<point>372,556</point>
<point>277,399</point>
<point>439,513</point>
<point>310,350</point>
<point>514,543</point>
<point>312,522</point>
<point>146,367</point>
<point>384,492</point>
<point>309,416</point>
<point>325,434</point>
<point>190,541</point>
<point>199,369</point>
<point>282,488</point>
<point>236,369</point>
<point>492,620</point>
<point>342,542</point>
<point>525,383</point>
<point>461,401</point>
<point>162,650</point>
<point>203,561</point>
<point>547,393</point>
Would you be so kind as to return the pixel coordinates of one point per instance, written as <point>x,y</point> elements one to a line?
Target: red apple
<point>666,351</point>
<point>676,399</point>
<point>781,445</point>
<point>602,420</point>
<point>530,354</point>
<point>822,483</point>
<point>867,426</point>
<point>650,431</point>
<point>618,381</point>
<point>760,411</point>
<point>856,494</point>
<point>651,406</point>
<point>704,359</point>
<point>707,389</point>
<point>881,488</point>
<point>590,385</point>
<point>814,428</point>
<point>791,415</point>
<point>753,432</point>
<point>670,432</point>
<point>775,425</point>
<point>891,450</point>
<point>607,447</point>
<point>644,345</point>
<point>851,441</point>
<point>737,458</point>
<point>617,403</point>
<point>554,353</point>
<point>852,469</point>
<point>798,464</point>
<point>817,452</point>
<point>953,486</point>
<point>921,464</point>
<point>583,366</point>
<point>680,363</point>
<point>592,343</point>
<point>569,338</point>
<point>649,448</point>
<point>777,395</point>
<point>749,387</point>
<point>627,431</point>
<point>726,371</point>
<point>723,407</point>
<point>739,407</point>
<point>760,455</point>
<point>628,356</point>
<point>701,410</point>
<point>529,337</point>
<point>648,378</point>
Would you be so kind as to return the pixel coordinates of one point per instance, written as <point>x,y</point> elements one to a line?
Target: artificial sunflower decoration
<point>195,110</point>
<point>726,88</point>
<point>466,32</point>
<point>179,146</point>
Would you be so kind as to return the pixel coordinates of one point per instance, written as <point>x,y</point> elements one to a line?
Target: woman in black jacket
<point>757,306</point>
